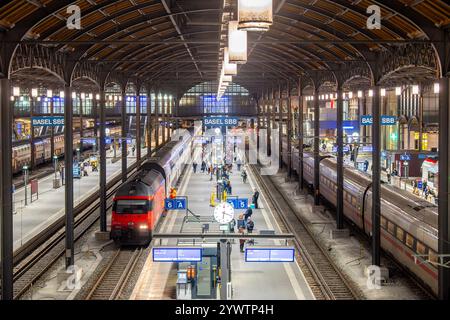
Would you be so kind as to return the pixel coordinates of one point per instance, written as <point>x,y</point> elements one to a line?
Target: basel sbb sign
<point>385,120</point>
<point>47,121</point>
<point>220,121</point>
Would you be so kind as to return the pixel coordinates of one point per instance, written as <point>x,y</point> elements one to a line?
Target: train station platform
<point>249,280</point>
<point>33,218</point>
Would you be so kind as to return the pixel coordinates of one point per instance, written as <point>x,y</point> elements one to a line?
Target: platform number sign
<point>239,204</point>
<point>175,204</point>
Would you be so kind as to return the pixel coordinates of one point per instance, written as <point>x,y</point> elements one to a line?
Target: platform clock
<point>224,213</point>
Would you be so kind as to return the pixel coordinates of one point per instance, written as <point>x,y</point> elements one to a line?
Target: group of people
<point>426,192</point>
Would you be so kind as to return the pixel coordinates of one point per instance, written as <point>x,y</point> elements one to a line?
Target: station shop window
<point>400,234</point>
<point>409,240</point>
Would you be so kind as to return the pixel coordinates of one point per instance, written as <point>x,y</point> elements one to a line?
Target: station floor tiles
<point>265,281</point>
<point>31,219</point>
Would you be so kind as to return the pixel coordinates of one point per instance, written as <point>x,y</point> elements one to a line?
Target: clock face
<point>224,212</point>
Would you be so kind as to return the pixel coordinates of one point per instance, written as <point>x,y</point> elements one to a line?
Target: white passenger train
<point>409,225</point>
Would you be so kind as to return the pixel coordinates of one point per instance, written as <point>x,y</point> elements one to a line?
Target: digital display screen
<point>269,254</point>
<point>177,254</point>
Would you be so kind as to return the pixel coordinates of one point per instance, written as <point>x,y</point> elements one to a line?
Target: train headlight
<point>143,227</point>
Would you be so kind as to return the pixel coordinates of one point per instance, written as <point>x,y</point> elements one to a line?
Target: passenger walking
<point>203,166</point>
<point>424,187</point>
<point>255,198</point>
<point>239,164</point>
<point>248,213</point>
<point>194,167</point>
<point>241,241</point>
<point>244,176</point>
<point>250,225</point>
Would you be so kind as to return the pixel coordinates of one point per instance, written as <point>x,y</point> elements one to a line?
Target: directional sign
<point>177,254</point>
<point>47,121</point>
<point>76,171</point>
<point>88,140</point>
<point>175,204</point>
<point>420,184</point>
<point>255,254</point>
<point>108,140</point>
<point>220,121</point>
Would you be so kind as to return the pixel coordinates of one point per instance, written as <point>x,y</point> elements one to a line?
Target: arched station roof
<point>177,43</point>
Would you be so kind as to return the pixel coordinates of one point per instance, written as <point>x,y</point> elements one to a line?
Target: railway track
<point>113,279</point>
<point>39,254</point>
<point>326,280</point>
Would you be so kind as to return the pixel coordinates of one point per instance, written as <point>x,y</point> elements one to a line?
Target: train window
<point>400,234</point>
<point>132,206</point>
<point>391,227</point>
<point>432,256</point>
<point>421,248</point>
<point>383,222</point>
<point>409,240</point>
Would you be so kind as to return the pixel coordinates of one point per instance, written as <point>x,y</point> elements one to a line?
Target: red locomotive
<point>139,203</point>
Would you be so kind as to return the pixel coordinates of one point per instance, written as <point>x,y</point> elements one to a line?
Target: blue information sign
<point>385,120</point>
<point>108,140</point>
<point>89,140</point>
<point>346,149</point>
<point>238,203</point>
<point>220,121</point>
<point>420,184</point>
<point>366,120</point>
<point>76,171</point>
<point>388,120</point>
<point>405,157</point>
<point>269,254</point>
<point>47,121</point>
<point>180,254</point>
<point>175,204</point>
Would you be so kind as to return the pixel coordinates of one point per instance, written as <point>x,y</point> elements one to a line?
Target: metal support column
<point>68,171</point>
<point>138,126</point>
<point>95,115</point>
<point>376,172</point>
<point>52,130</point>
<point>6,201</point>
<point>444,171</point>
<point>124,135</point>
<point>157,93</point>
<point>149,124</point>
<point>32,145</point>
<point>269,124</point>
<point>102,146</point>
<point>340,159</point>
<point>163,116</point>
<point>81,124</point>
<point>280,125</point>
<point>300,136</point>
<point>289,131</point>
<point>316,147</point>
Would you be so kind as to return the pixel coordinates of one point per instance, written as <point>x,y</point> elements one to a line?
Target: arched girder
<point>361,50</point>
<point>365,32</point>
<point>323,48</point>
<point>288,66</point>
